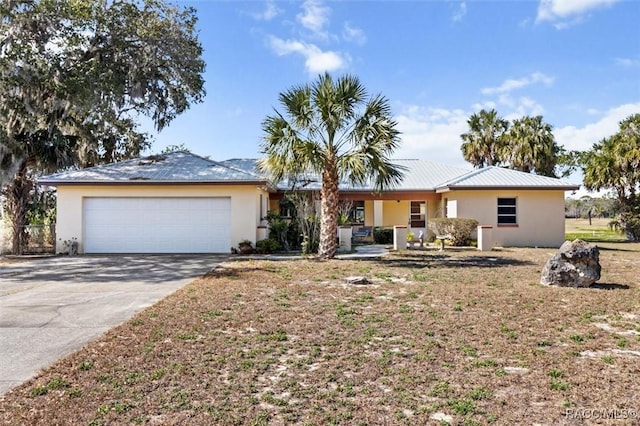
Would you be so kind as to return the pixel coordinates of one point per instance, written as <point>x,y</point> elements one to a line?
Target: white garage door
<point>157,225</point>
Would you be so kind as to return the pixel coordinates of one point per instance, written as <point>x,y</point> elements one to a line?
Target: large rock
<point>576,264</point>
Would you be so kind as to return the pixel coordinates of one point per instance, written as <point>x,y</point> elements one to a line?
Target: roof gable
<point>499,177</point>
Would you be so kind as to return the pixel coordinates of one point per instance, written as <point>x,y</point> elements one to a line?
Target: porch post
<point>377,213</point>
<point>399,237</point>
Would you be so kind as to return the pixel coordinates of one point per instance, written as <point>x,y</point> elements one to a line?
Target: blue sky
<point>575,62</point>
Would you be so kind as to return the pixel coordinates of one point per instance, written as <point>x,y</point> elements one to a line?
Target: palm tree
<point>532,147</point>
<point>614,163</point>
<point>483,144</point>
<point>332,128</point>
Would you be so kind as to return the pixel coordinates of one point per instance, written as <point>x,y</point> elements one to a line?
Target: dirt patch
<point>461,336</point>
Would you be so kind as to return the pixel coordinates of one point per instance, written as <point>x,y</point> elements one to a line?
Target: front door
<point>418,217</point>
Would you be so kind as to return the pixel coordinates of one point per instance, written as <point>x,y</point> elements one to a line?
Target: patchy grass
<point>461,335</point>
<point>599,230</point>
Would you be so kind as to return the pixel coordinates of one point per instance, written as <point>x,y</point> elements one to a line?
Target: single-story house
<point>183,203</point>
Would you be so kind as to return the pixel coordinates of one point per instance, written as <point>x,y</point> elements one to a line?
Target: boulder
<point>576,264</point>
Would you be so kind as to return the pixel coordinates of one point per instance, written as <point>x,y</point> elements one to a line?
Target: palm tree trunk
<point>17,193</point>
<point>329,210</point>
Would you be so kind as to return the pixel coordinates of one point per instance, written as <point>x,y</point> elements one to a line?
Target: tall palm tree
<point>532,147</point>
<point>332,128</point>
<point>484,142</point>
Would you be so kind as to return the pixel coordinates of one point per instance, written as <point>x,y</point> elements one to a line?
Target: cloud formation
<point>353,34</point>
<point>314,17</point>
<point>316,60</point>
<point>312,35</point>
<point>565,13</point>
<point>270,12</point>
<point>432,134</point>
<point>583,138</point>
<point>514,84</point>
<point>459,13</point>
<point>628,62</point>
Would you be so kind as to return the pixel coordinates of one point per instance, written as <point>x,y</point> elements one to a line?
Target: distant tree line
<point>586,206</point>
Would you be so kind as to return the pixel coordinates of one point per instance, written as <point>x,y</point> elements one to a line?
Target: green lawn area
<point>598,231</point>
<point>459,337</point>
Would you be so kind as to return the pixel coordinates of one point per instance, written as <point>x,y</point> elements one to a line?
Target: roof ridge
<point>463,176</point>
<point>237,168</point>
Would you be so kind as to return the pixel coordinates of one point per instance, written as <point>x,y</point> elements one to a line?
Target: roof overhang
<point>137,182</point>
<point>510,188</point>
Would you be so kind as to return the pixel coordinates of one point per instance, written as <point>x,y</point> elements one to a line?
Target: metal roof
<point>419,175</point>
<point>498,177</point>
<point>176,167</point>
<point>185,167</point>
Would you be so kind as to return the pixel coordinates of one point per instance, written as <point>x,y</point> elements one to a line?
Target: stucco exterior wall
<point>395,213</point>
<point>245,205</point>
<point>368,213</point>
<point>540,215</point>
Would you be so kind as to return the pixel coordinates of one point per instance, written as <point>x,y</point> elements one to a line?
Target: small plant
<point>559,385</point>
<point>462,406</point>
<point>556,373</point>
<point>459,229</point>
<point>480,393</point>
<point>245,247</point>
<point>441,389</point>
<point>577,338</point>
<point>269,245</point>
<point>85,365</point>
<point>607,359</point>
<point>383,235</point>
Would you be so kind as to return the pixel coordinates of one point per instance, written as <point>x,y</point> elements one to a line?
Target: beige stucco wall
<point>540,215</point>
<point>245,205</point>
<point>395,213</point>
<point>368,213</point>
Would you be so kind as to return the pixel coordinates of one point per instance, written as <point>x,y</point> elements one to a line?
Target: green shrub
<point>459,229</point>
<point>383,235</point>
<point>267,246</point>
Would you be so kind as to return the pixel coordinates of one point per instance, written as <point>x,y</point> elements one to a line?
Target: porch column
<point>377,213</point>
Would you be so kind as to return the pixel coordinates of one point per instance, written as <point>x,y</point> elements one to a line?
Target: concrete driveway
<point>51,307</point>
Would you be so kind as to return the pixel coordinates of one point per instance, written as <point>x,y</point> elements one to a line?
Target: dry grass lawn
<point>460,337</point>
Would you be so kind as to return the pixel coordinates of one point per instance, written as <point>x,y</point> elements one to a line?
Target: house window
<point>287,209</point>
<point>357,213</point>
<point>418,214</point>
<point>507,211</point>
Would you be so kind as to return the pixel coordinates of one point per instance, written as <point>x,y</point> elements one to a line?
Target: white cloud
<point>513,84</point>
<point>270,11</point>
<point>521,107</point>
<point>353,34</point>
<point>316,60</point>
<point>564,13</point>
<point>460,12</point>
<point>583,138</point>
<point>432,134</point>
<point>314,17</point>
<point>628,62</point>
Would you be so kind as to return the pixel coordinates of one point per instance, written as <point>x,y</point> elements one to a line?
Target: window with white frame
<point>507,211</point>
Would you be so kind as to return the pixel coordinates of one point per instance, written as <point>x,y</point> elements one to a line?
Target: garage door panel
<point>157,225</point>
